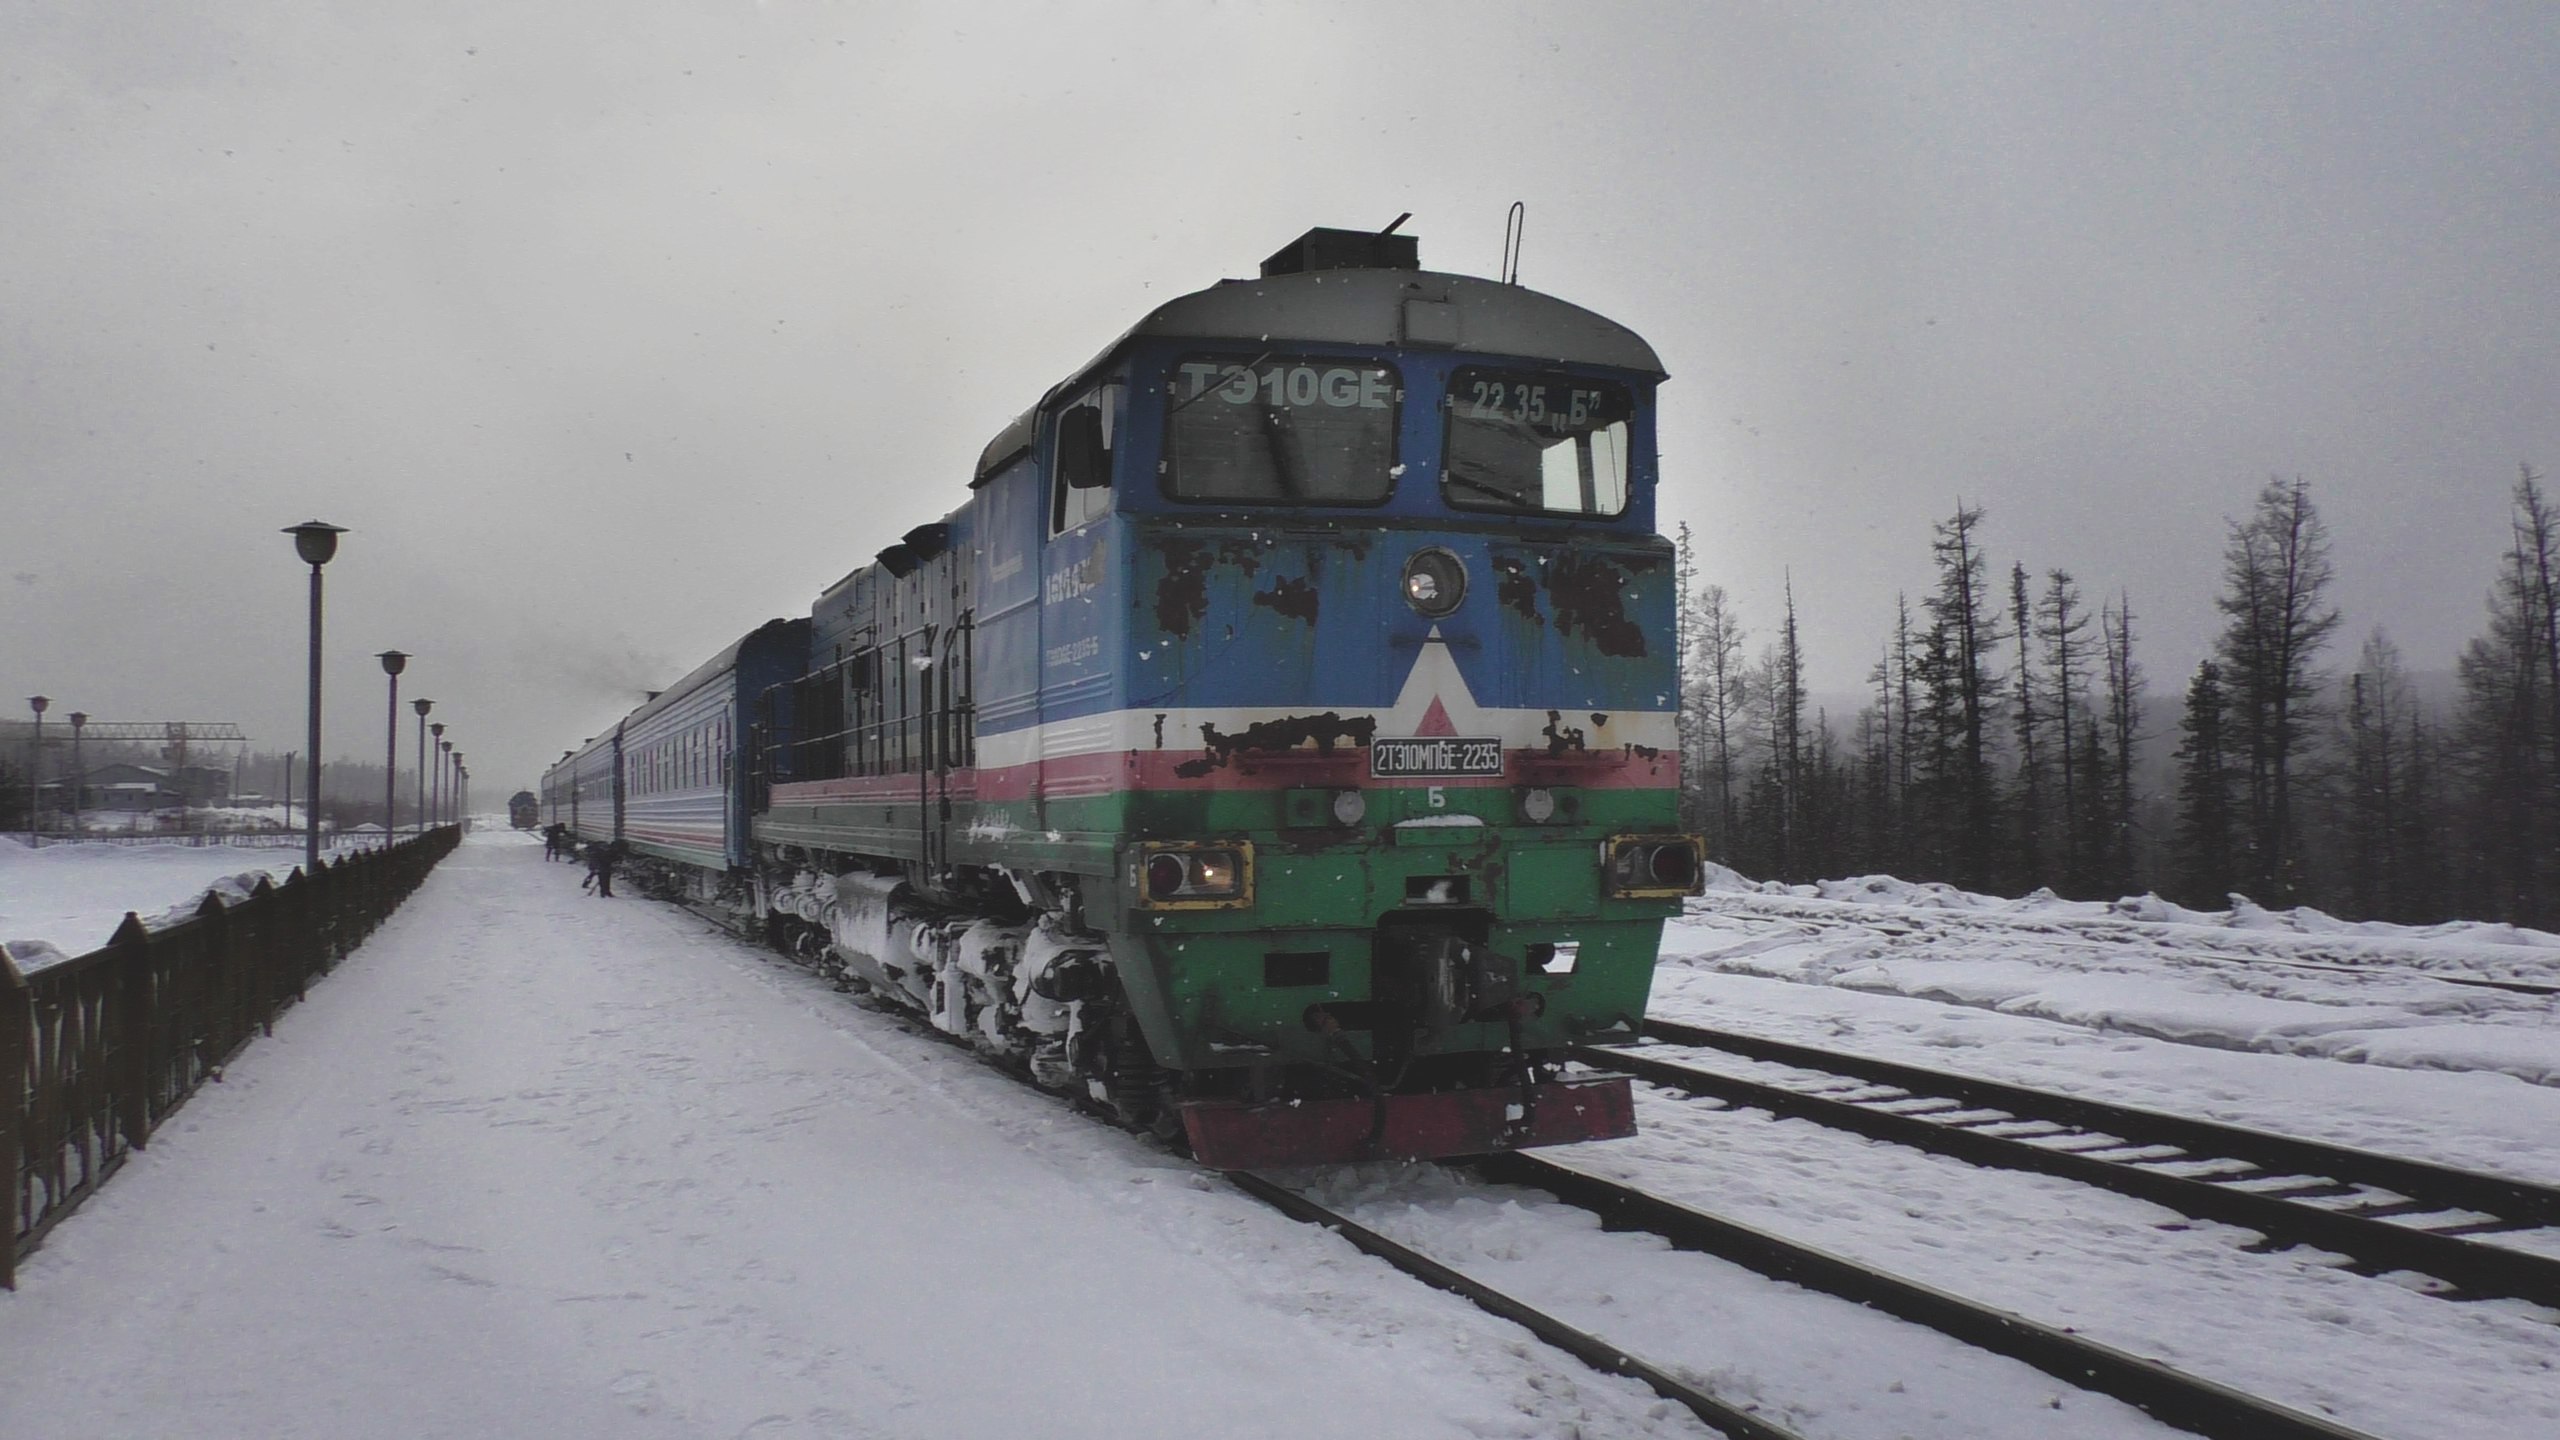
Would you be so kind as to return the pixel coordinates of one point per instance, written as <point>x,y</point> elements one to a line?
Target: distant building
<point>119,785</point>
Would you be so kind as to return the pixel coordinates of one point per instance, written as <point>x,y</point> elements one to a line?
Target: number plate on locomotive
<point>1433,757</point>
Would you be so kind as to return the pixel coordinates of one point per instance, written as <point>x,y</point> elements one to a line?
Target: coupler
<point>1438,1125</point>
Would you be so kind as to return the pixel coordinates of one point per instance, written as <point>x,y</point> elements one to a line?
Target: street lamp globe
<point>315,541</point>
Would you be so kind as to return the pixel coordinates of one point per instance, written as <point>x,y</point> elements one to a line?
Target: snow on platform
<point>534,1163</point>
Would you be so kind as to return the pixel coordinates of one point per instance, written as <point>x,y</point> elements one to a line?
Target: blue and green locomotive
<point>1278,745</point>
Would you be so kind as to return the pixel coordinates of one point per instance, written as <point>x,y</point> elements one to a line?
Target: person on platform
<point>601,860</point>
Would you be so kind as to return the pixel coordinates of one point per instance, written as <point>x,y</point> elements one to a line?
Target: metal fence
<point>95,1052</point>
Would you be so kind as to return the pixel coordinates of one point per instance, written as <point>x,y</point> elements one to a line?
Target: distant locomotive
<point>1277,745</point>
<point>524,810</point>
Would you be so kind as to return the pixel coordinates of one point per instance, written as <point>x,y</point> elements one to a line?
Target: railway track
<point>1590,1349</point>
<point>2173,1397</point>
<point>2113,936</point>
<point>2385,1213</point>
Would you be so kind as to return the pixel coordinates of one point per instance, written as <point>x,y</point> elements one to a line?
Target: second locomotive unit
<point>1278,743</point>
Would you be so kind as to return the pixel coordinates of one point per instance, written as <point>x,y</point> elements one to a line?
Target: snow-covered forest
<point>2011,740</point>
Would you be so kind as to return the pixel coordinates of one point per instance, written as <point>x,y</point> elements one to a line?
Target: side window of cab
<point>1080,458</point>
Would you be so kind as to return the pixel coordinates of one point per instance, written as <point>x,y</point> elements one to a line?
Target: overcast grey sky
<point>612,327</point>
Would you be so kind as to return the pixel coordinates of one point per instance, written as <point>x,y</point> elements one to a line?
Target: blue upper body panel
<point>1150,600</point>
<point>1167,603</point>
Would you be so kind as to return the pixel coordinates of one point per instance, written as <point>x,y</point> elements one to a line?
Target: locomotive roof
<point>1388,307</point>
<point>1371,307</point>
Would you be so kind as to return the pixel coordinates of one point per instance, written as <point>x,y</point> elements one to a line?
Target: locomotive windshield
<point>1519,440</point>
<point>1279,429</point>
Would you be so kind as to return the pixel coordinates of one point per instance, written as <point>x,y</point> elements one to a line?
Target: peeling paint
<point>1289,596</point>
<point>1561,737</point>
<point>1324,731</point>
<point>1516,590</point>
<point>1589,597</point>
<point>1182,596</point>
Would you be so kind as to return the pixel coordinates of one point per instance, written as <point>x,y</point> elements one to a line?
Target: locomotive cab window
<point>1551,444</point>
<point>1280,430</point>
<point>1080,467</point>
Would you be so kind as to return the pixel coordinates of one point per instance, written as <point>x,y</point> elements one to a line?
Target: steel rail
<point>2173,1397</point>
<point>2476,1268</point>
<point>1590,1349</point>
<point>2441,1185</point>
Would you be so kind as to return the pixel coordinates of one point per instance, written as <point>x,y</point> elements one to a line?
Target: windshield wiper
<point>1481,487</point>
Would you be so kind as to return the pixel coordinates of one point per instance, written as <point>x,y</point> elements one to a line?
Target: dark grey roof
<point>1372,307</point>
<point>1400,307</point>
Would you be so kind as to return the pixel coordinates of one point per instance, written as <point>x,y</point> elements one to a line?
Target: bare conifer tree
<point>1715,684</point>
<point>2378,712</point>
<point>2204,873</point>
<point>1967,618</point>
<point>2506,729</point>
<point>2276,577</point>
<point>2066,660</point>
<point>2124,709</point>
<point>2032,865</point>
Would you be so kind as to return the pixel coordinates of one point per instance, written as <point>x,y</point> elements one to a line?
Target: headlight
<point>1654,866</point>
<point>1194,876</point>
<point>1434,582</point>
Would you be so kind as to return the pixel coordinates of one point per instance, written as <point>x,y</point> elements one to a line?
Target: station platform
<point>534,1163</point>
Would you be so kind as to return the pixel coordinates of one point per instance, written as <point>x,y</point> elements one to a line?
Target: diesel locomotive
<point>1277,745</point>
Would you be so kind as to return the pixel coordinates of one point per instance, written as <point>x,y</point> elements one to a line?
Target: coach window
<point>1280,430</point>
<point>1080,481</point>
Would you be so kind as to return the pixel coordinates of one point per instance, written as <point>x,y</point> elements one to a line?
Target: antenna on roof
<point>1397,223</point>
<point>1515,228</point>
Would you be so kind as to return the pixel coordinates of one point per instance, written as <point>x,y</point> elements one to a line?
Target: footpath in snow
<point>533,1163</point>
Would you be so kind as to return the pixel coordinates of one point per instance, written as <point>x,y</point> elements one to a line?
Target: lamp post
<point>422,706</point>
<point>393,662</point>
<point>35,765</point>
<point>79,774</point>
<point>437,755</point>
<point>317,544</point>
<point>461,792</point>
<point>444,775</point>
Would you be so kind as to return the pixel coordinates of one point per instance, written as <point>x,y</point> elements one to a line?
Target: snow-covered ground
<point>72,897</point>
<point>2295,1023</point>
<point>533,1163</point>
<point>537,1163</point>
